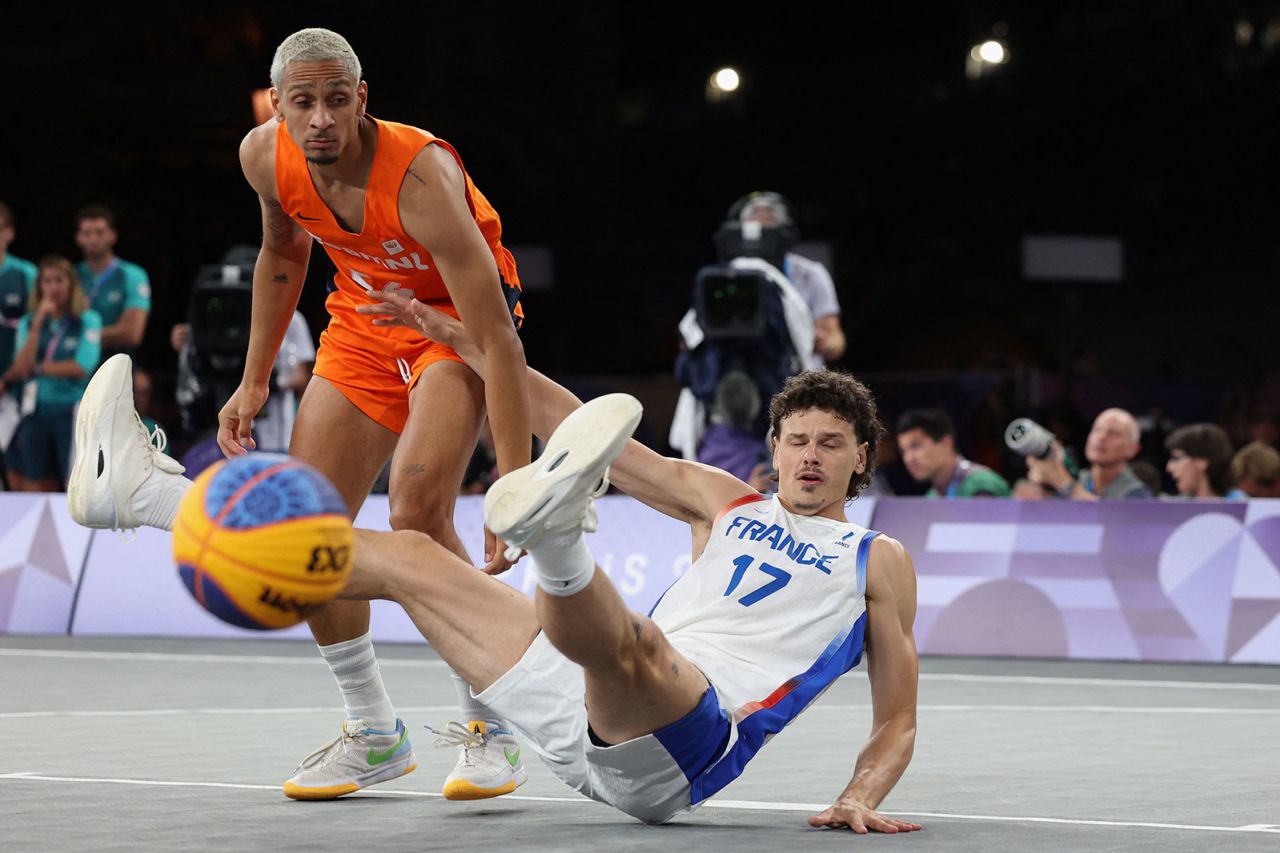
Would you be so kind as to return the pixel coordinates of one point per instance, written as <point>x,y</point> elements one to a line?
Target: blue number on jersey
<point>740,565</point>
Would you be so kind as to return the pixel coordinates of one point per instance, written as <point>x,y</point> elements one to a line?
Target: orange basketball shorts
<point>378,383</point>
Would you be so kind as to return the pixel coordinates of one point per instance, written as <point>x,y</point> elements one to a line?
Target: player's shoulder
<point>258,157</point>
<point>889,566</point>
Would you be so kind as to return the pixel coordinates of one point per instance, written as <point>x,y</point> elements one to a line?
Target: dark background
<point>587,127</point>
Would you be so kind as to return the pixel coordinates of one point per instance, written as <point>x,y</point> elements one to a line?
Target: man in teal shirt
<point>927,440</point>
<point>118,291</point>
<point>17,279</point>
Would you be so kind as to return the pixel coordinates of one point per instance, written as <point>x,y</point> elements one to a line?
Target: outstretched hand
<point>395,306</point>
<point>861,819</point>
<point>498,556</point>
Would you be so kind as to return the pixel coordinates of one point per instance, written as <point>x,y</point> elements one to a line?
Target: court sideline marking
<point>445,709</point>
<point>185,657</point>
<point>741,805</point>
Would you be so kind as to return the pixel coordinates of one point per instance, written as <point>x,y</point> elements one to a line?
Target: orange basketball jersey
<point>382,253</point>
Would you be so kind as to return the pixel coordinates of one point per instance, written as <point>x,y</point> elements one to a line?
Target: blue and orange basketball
<point>263,540</point>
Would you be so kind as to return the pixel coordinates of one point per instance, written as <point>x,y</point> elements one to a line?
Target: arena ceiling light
<point>723,83</point>
<point>985,58</point>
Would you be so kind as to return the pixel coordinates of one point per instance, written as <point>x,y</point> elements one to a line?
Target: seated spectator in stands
<point>732,442</point>
<point>927,439</point>
<point>1200,461</point>
<point>58,346</point>
<point>1148,474</point>
<point>1113,442</point>
<point>1025,490</point>
<point>119,291</point>
<point>1255,470</point>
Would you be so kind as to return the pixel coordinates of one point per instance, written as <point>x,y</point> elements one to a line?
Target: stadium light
<point>726,80</point>
<point>986,57</point>
<point>992,52</point>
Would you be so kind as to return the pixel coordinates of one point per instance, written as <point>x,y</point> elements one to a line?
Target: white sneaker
<point>555,493</point>
<point>120,479</point>
<point>489,762</point>
<point>359,758</point>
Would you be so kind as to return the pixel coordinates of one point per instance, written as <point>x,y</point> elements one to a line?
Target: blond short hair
<point>313,44</point>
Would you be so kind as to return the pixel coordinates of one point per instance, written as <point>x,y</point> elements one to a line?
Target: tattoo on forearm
<point>417,177</point>
<point>280,278</point>
<point>280,228</point>
<point>414,469</point>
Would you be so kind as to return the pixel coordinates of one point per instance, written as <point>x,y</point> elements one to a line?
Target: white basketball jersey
<point>772,612</point>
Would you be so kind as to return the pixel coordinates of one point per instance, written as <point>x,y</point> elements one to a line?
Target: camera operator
<point>204,370</point>
<point>1113,442</point>
<point>811,278</point>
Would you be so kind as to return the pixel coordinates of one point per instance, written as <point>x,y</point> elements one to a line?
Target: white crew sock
<point>165,494</point>
<point>473,708</point>
<point>359,679</point>
<point>562,563</point>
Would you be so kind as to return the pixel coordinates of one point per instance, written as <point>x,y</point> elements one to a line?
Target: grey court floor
<point>162,745</point>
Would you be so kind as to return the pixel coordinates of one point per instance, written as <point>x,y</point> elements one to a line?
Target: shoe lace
<point>350,731</point>
<point>455,735</point>
<point>155,440</point>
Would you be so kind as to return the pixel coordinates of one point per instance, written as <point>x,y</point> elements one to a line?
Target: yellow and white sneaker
<point>359,758</point>
<point>489,762</point>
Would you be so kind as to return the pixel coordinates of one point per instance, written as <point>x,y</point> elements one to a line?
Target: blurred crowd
<point>764,312</point>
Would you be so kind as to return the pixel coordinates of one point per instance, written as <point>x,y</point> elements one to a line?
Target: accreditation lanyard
<point>962,471</point>
<point>101,279</point>
<point>30,391</point>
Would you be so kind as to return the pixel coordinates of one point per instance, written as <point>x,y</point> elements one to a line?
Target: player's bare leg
<point>332,435</point>
<point>446,410</point>
<point>636,681</point>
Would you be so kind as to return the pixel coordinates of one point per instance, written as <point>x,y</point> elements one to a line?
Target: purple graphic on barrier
<point>1153,580</point>
<point>1150,580</point>
<point>41,551</point>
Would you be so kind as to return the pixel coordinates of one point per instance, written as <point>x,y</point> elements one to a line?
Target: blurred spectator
<point>731,441</point>
<point>117,290</point>
<point>17,280</point>
<point>1025,490</point>
<point>1147,473</point>
<point>1112,443</point>
<point>1255,469</point>
<point>1200,461</point>
<point>58,343</point>
<point>273,427</point>
<point>809,277</point>
<point>144,403</point>
<point>927,439</point>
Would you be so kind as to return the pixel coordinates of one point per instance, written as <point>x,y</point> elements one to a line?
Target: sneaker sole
<point>332,792</point>
<point>577,455</point>
<point>462,789</point>
<point>103,391</point>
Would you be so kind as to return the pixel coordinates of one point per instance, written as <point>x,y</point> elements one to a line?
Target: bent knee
<point>429,517</point>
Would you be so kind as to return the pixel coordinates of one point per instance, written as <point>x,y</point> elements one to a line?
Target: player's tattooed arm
<point>278,228</point>
<point>414,174</point>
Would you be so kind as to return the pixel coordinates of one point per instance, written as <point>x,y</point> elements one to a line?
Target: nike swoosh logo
<point>513,758</point>
<point>376,757</point>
